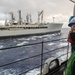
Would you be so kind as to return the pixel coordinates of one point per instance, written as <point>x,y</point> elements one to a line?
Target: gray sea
<point>11,55</point>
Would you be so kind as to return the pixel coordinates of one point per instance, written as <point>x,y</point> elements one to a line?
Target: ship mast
<point>6,20</point>
<point>40,17</point>
<point>20,19</point>
<point>53,19</point>
<point>12,18</point>
<point>28,18</point>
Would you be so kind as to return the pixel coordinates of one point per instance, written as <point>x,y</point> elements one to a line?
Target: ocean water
<point>11,55</point>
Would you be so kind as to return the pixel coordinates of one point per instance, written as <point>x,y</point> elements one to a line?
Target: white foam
<point>1,46</point>
<point>33,72</point>
<point>33,38</point>
<point>21,39</point>
<point>22,43</point>
<point>60,52</point>
<point>45,39</point>
<point>15,41</point>
<point>8,72</point>
<point>63,44</point>
<point>27,39</point>
<point>51,44</point>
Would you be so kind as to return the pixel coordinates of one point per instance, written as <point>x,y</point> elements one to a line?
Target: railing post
<point>41,58</point>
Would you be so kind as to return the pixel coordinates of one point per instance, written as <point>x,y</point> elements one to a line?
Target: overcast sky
<point>60,9</point>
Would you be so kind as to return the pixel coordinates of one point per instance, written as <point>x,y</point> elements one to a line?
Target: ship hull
<point>52,28</point>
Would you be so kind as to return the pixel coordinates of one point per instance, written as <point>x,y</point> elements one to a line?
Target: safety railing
<point>40,54</point>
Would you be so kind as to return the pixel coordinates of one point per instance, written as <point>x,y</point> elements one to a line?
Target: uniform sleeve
<point>68,38</point>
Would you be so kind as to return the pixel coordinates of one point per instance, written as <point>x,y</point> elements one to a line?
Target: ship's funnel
<point>74,10</point>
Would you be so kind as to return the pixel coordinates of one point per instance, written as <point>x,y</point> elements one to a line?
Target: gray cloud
<point>50,7</point>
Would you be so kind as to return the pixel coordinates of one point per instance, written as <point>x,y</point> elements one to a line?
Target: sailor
<point>71,35</point>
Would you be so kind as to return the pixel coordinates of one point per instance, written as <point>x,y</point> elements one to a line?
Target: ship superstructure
<point>14,28</point>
